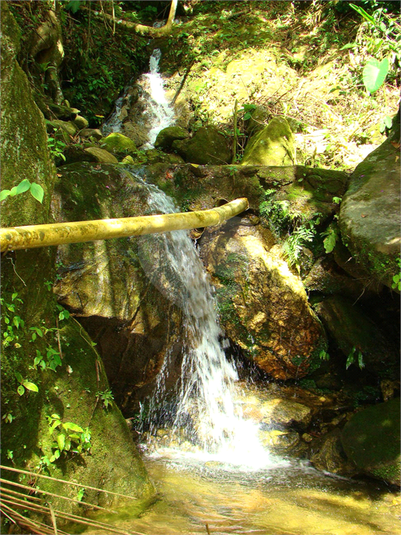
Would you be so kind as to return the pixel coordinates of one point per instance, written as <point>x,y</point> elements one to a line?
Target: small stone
<point>80,122</point>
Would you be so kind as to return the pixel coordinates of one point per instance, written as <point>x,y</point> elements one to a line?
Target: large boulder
<point>207,146</point>
<point>49,350</point>
<point>101,155</point>
<point>370,212</point>
<point>167,136</point>
<point>263,306</point>
<point>118,144</point>
<point>273,145</point>
<point>371,439</point>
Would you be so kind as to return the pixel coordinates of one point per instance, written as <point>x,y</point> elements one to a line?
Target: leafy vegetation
<point>34,189</point>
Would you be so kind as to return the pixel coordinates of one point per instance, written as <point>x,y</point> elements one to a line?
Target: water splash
<point>160,113</point>
<point>206,410</point>
<point>155,110</point>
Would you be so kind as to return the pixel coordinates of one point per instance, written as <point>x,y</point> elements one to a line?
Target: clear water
<point>205,399</point>
<point>200,498</point>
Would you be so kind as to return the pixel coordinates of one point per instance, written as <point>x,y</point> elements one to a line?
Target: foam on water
<point>206,393</point>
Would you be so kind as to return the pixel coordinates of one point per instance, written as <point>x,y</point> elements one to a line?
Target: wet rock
<point>94,133</point>
<point>76,153</point>
<point>207,146</point>
<point>104,284</point>
<point>370,212</point>
<point>280,441</point>
<point>331,457</point>
<point>371,440</point>
<point>263,305</point>
<point>118,144</point>
<point>327,278</point>
<point>101,155</point>
<point>273,145</point>
<point>167,136</point>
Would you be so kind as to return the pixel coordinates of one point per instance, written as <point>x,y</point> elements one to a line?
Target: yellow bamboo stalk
<point>32,236</point>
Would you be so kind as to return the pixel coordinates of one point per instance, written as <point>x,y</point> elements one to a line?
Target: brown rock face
<point>121,305</point>
<point>263,306</point>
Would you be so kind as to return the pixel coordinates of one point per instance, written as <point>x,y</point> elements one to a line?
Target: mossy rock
<point>118,144</point>
<point>371,439</point>
<point>208,146</point>
<point>273,145</point>
<point>263,306</point>
<point>72,389</point>
<point>167,136</point>
<point>370,213</point>
<point>101,155</point>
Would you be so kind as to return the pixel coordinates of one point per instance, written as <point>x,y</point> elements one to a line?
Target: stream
<point>211,472</point>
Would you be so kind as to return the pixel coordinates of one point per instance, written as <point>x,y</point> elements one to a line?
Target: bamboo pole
<point>32,236</point>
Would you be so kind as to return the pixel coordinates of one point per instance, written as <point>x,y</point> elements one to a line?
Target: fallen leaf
<point>396,144</point>
<point>364,215</point>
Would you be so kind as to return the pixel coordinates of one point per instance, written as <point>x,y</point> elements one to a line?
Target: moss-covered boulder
<point>371,439</point>
<point>49,365</point>
<point>207,146</point>
<point>167,136</point>
<point>118,144</point>
<point>105,285</point>
<point>355,334</point>
<point>370,212</point>
<point>263,306</point>
<point>273,145</point>
<point>101,155</point>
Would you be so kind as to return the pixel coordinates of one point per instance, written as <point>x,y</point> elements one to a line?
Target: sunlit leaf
<point>21,390</point>
<point>61,441</point>
<point>70,426</point>
<point>37,192</point>
<point>30,386</point>
<point>4,193</point>
<point>23,186</point>
<point>375,73</point>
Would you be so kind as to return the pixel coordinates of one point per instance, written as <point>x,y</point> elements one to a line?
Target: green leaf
<point>348,45</point>
<point>19,377</point>
<point>13,191</point>
<point>30,386</point>
<point>4,193</point>
<point>21,390</point>
<point>375,73</point>
<point>37,192</point>
<point>330,242</point>
<point>23,186</point>
<point>70,426</point>
<point>61,441</point>
<point>73,5</point>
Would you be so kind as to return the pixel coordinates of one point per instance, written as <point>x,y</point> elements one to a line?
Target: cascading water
<point>160,113</point>
<point>156,112</point>
<point>207,379</point>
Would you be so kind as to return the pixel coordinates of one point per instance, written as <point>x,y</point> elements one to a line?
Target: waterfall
<point>205,398</point>
<point>160,113</point>
<point>155,112</point>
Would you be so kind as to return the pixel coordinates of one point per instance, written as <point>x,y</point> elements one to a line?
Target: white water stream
<point>205,398</point>
<point>158,113</point>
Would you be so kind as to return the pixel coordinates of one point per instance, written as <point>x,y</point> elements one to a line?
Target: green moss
<point>372,439</point>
